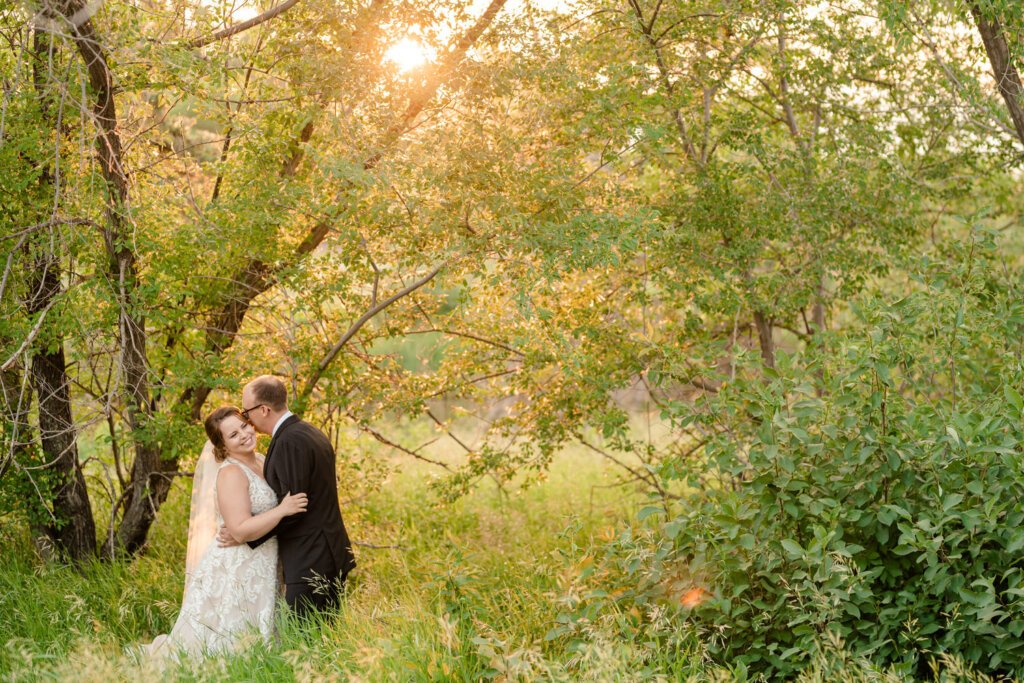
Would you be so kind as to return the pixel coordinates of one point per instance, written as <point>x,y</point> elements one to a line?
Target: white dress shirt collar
<point>284,417</point>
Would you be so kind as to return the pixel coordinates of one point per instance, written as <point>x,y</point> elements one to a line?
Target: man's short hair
<point>270,391</point>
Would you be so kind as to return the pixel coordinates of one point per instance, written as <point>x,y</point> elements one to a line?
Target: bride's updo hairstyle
<point>213,432</point>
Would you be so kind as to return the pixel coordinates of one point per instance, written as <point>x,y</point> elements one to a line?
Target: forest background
<point>658,340</point>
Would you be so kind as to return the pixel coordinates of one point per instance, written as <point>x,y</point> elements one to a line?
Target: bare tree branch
<point>398,447</point>
<point>49,224</point>
<point>647,478</point>
<point>467,335</point>
<point>243,26</point>
<point>29,339</point>
<point>358,324</point>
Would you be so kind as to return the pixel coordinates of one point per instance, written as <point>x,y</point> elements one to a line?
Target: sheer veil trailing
<point>202,516</point>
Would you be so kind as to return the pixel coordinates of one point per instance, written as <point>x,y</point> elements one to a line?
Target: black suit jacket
<point>300,459</point>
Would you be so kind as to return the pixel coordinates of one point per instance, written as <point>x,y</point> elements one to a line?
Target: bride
<point>228,590</point>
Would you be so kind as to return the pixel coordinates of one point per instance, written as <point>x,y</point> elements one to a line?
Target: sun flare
<point>408,54</point>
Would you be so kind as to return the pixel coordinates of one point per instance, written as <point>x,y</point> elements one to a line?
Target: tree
<point>151,336</point>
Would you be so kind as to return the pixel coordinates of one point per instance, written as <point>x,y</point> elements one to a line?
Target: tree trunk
<point>764,335</point>
<point>818,310</point>
<point>15,402</point>
<point>149,484</point>
<point>75,530</point>
<point>1007,77</point>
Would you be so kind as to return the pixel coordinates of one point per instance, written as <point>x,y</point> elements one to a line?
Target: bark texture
<point>1006,74</point>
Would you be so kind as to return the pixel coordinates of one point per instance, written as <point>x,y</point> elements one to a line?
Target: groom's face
<point>258,416</point>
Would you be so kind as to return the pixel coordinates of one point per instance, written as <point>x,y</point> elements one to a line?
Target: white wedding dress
<point>232,591</point>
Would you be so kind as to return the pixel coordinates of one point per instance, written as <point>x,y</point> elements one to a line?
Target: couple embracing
<point>248,513</point>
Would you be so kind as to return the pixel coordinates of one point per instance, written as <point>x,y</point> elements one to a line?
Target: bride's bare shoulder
<point>231,474</point>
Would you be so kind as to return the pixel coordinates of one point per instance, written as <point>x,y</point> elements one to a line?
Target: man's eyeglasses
<point>245,413</point>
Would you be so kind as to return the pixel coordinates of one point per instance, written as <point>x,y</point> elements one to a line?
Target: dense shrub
<point>872,516</point>
<point>869,489</point>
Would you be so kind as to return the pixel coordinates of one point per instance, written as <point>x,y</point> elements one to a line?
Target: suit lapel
<point>266,458</point>
<point>273,441</point>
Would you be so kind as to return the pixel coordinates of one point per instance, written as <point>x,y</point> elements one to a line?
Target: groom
<point>313,545</point>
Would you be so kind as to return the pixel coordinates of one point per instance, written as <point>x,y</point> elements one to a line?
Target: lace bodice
<point>261,496</point>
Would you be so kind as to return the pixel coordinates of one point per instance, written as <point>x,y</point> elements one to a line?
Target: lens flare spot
<point>693,597</point>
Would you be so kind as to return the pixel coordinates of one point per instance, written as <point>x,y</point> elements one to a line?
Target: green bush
<point>872,516</point>
<point>869,489</point>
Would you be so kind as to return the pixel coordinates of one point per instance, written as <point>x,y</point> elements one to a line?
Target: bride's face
<point>239,436</point>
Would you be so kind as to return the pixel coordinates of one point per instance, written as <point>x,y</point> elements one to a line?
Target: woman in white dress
<point>232,590</point>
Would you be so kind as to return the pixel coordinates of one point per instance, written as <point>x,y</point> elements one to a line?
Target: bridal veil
<point>202,516</point>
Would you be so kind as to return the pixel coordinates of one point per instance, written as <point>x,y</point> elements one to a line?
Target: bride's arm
<point>235,508</point>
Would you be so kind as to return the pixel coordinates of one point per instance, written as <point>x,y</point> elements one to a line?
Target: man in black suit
<point>313,545</point>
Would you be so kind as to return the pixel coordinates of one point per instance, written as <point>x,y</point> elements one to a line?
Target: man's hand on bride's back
<point>293,504</point>
<point>225,539</point>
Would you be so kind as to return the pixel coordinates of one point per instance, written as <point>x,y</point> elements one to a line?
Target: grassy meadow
<point>459,591</point>
<point>464,591</point>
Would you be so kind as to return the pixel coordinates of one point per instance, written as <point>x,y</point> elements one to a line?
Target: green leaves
<point>792,548</point>
<point>858,501</point>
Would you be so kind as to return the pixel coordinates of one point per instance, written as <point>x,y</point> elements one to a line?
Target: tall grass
<point>464,591</point>
<point>460,592</point>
